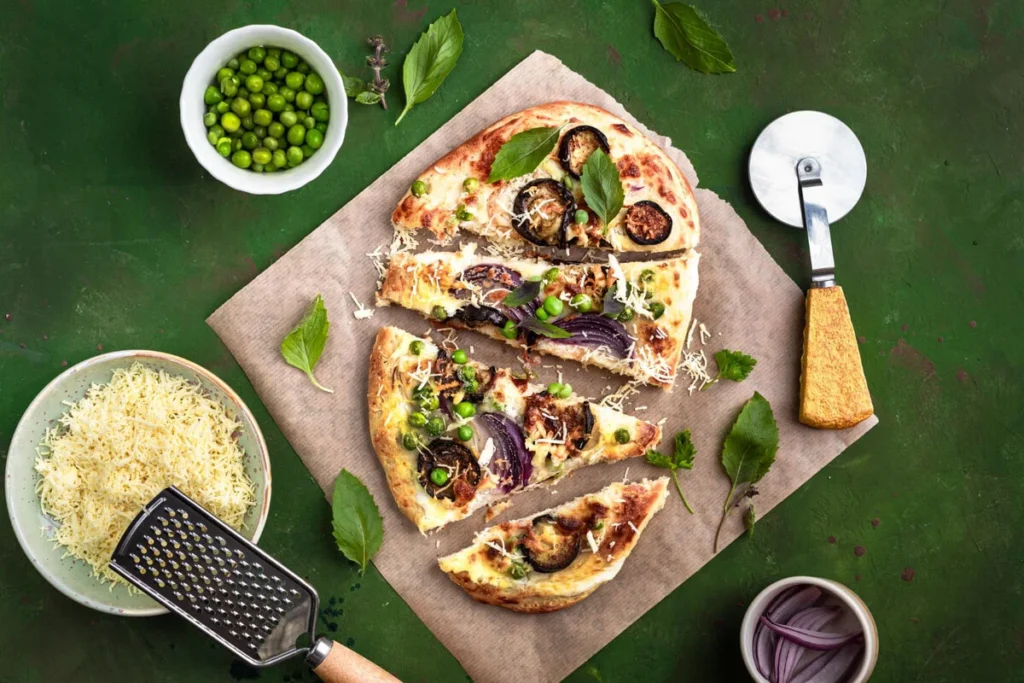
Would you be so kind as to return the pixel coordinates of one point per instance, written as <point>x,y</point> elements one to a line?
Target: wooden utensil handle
<point>342,665</point>
<point>833,389</point>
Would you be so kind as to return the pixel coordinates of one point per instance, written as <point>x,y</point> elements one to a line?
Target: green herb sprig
<point>683,453</point>
<point>358,526</point>
<point>602,186</point>
<point>690,39</point>
<point>303,346</point>
<point>523,153</point>
<point>732,365</point>
<point>430,60</point>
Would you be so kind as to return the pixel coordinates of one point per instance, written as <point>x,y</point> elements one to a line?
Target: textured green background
<point>111,234</point>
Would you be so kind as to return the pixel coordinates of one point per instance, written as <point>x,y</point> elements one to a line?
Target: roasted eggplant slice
<point>576,146</point>
<point>647,223</point>
<point>588,426</point>
<point>457,461</point>
<point>550,545</point>
<point>543,211</point>
<point>474,316</point>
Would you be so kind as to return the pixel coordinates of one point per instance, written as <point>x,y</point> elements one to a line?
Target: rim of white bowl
<point>853,601</point>
<point>191,109</point>
<point>264,455</point>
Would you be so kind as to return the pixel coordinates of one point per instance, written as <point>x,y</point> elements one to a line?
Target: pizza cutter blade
<point>807,168</point>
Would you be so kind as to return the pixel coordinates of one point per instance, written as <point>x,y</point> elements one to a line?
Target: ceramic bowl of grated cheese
<point>107,435</point>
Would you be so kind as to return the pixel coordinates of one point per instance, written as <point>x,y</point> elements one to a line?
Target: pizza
<point>557,557</point>
<point>630,318</point>
<point>455,436</point>
<point>659,212</point>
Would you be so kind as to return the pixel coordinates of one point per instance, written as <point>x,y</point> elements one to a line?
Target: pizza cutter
<point>808,169</point>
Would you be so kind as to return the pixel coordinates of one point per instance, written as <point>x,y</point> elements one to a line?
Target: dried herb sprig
<point>376,61</point>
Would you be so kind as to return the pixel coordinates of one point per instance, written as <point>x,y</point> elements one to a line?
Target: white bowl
<point>34,529</point>
<point>200,75</point>
<point>855,608</point>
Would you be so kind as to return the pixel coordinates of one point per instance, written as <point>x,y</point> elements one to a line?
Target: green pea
<point>582,303</point>
<point>287,93</point>
<point>257,100</point>
<point>250,141</point>
<point>435,426</point>
<point>233,63</point>
<point>212,137</point>
<point>307,151</point>
<point>542,314</point>
<point>555,388</point>
<point>230,122</point>
<point>470,185</point>
<point>241,159</point>
<point>309,123</point>
<point>240,106</point>
<point>419,188</point>
<point>257,54</point>
<point>223,73</point>
<point>265,75</point>
<point>229,86</point>
<point>224,146</point>
<point>212,95</point>
<point>288,106</point>
<point>243,93</point>
<point>622,435</point>
<point>314,84</point>
<point>288,118</point>
<point>416,347</point>
<point>247,66</point>
<point>431,402</point>
<point>271,143</point>
<point>647,275</point>
<point>439,476</point>
<point>256,168</point>
<point>271,63</point>
<point>417,419</point>
<point>209,118</point>
<point>320,111</point>
<point>439,312</point>
<point>261,155</point>
<point>551,274</point>
<point>465,410</point>
<point>289,59</point>
<point>248,123</point>
<point>302,68</point>
<point>322,127</point>
<point>314,138</point>
<point>657,309</point>
<point>261,132</point>
<point>295,156</point>
<point>465,433</point>
<point>565,391</point>
<point>509,331</point>
<point>582,216</point>
<point>236,143</point>
<point>254,84</point>
<point>216,128</point>
<point>626,315</point>
<point>553,305</point>
<point>518,570</point>
<point>303,100</point>
<point>276,130</point>
<point>460,356</point>
<point>409,441</point>
<point>223,107</point>
<point>281,73</point>
<point>467,372</point>
<point>280,159</point>
<point>296,134</point>
<point>462,214</point>
<point>263,117</point>
<point>472,386</point>
<point>269,87</point>
<point>269,168</point>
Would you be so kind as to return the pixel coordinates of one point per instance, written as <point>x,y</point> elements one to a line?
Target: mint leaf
<point>602,187</point>
<point>430,60</point>
<point>523,153</point>
<point>523,294</point>
<point>688,37</point>
<point>303,346</point>
<point>358,527</point>
<point>545,329</point>
<point>683,453</point>
<point>749,449</point>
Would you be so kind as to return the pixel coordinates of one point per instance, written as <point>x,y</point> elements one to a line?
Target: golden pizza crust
<point>646,171</point>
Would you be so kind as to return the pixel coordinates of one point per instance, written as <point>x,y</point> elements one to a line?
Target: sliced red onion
<point>511,463</point>
<point>791,601</point>
<point>810,638</point>
<point>832,666</point>
<point>787,654</point>
<point>595,330</point>
<point>485,278</point>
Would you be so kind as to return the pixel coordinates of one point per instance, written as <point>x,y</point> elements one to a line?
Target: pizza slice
<point>454,435</point>
<point>546,203</point>
<point>556,558</point>
<point>630,318</point>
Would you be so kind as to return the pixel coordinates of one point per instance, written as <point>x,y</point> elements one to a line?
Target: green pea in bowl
<point>35,530</point>
<point>194,106</point>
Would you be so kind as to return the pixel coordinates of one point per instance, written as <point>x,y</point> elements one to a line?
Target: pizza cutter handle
<point>335,663</point>
<point>833,389</point>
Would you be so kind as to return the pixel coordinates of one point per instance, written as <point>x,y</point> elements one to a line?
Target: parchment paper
<point>745,300</point>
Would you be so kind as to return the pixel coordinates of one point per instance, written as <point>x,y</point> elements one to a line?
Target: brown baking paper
<point>745,300</point>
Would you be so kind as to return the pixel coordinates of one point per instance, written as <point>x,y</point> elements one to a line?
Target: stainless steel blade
<point>819,239</point>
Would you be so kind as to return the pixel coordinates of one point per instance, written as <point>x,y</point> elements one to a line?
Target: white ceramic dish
<point>200,75</point>
<point>855,608</point>
<point>34,529</point>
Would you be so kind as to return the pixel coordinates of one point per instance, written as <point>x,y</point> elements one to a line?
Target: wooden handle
<point>342,665</point>
<point>833,390</point>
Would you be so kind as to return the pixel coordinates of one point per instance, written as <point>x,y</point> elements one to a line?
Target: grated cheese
<point>361,312</point>
<point>592,542</point>
<point>126,441</point>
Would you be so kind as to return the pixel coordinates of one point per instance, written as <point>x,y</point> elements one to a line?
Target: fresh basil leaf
<point>430,60</point>
<point>545,329</point>
<point>523,153</point>
<point>683,450</point>
<point>734,365</point>
<point>368,97</point>
<point>611,306</point>
<point>303,346</point>
<point>689,38</point>
<point>602,187</point>
<point>358,527</point>
<point>523,294</point>
<point>353,85</point>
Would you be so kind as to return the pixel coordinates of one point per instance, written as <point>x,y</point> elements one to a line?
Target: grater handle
<point>335,663</point>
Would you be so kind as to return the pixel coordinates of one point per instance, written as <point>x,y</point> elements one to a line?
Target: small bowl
<point>34,529</point>
<point>200,76</point>
<point>855,608</point>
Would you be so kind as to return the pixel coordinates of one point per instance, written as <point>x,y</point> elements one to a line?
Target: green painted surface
<point>111,234</point>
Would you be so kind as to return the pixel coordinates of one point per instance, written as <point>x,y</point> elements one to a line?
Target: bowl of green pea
<point>263,109</point>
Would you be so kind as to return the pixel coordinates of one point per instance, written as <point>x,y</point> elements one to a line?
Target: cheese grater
<point>193,564</point>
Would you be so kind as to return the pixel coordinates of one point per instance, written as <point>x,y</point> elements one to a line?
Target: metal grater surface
<point>195,565</point>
